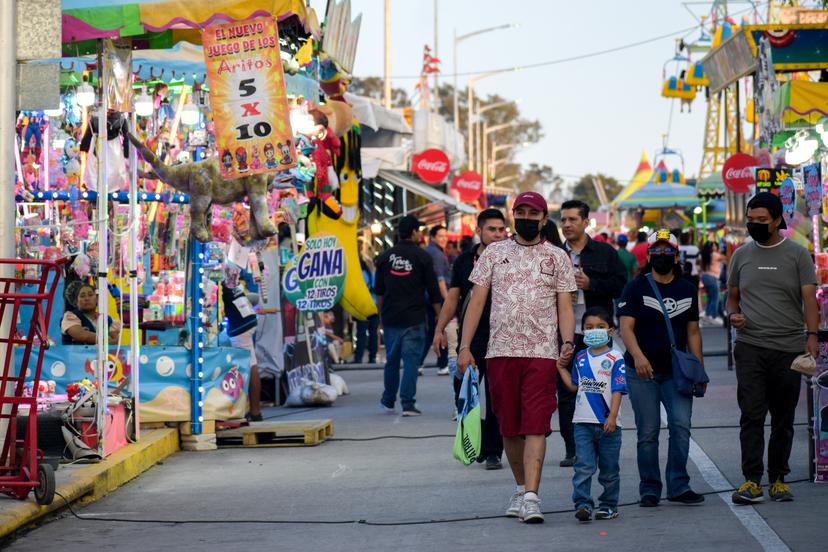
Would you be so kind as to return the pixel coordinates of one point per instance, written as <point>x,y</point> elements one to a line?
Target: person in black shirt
<point>491,227</point>
<point>404,274</point>
<point>241,328</point>
<point>650,371</point>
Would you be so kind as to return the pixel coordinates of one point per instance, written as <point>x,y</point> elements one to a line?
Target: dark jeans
<point>596,451</point>
<point>766,383</point>
<point>366,330</point>
<point>566,405</point>
<point>492,441</point>
<point>645,397</point>
<point>402,344</point>
<point>431,326</point>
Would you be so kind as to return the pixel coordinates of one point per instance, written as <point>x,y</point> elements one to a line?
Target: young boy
<point>598,378</point>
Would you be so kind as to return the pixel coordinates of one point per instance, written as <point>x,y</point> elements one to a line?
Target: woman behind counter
<point>78,326</point>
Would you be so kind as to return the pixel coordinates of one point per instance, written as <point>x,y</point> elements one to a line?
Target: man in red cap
<point>531,282</point>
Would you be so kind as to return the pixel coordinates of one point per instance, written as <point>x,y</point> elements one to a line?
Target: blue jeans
<point>404,344</point>
<point>645,397</point>
<point>596,450</point>
<point>711,288</point>
<point>366,330</point>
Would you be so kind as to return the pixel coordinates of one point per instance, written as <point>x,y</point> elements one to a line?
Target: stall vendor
<point>78,326</point>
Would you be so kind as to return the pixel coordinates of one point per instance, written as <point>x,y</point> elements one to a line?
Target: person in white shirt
<point>598,378</point>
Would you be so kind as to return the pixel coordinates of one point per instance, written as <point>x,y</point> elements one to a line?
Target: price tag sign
<point>248,97</point>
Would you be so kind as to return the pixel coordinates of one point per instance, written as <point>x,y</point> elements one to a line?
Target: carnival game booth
<point>164,288</point>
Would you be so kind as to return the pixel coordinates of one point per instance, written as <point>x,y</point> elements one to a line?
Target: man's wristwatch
<point>816,334</point>
<point>462,348</point>
<point>568,342</point>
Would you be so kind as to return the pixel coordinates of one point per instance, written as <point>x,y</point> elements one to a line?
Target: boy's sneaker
<point>530,511</point>
<point>410,411</point>
<point>515,504</point>
<point>605,512</point>
<point>780,492</point>
<point>687,497</point>
<point>387,408</point>
<point>443,371</point>
<point>583,514</point>
<point>748,493</point>
<point>648,501</point>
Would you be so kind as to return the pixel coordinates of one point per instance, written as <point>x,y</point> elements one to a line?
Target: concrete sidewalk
<point>84,483</point>
<point>386,482</point>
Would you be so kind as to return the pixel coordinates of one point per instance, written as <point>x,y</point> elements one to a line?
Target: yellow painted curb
<point>91,482</point>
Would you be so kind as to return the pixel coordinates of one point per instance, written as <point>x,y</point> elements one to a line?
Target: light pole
<point>502,147</point>
<point>696,212</point>
<point>387,82</point>
<point>469,112</point>
<point>480,135</point>
<point>486,131</point>
<point>458,40</point>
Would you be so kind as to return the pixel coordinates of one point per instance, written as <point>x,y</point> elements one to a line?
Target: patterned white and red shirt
<point>524,282</point>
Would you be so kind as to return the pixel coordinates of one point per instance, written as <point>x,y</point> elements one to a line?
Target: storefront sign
<point>248,98</point>
<point>432,166</point>
<point>469,185</point>
<point>737,173</point>
<point>314,280</point>
<point>769,180</point>
<point>812,181</point>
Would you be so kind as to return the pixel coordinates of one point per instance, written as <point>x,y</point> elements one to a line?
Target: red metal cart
<point>21,463</point>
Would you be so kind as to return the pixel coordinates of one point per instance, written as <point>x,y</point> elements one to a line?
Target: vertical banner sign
<point>314,281</point>
<point>787,194</point>
<point>248,97</point>
<point>812,181</point>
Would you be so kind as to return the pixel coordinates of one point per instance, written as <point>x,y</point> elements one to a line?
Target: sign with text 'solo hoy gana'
<point>431,165</point>
<point>314,281</point>
<point>248,97</point>
<point>469,185</point>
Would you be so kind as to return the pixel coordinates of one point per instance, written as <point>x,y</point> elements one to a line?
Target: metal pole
<point>485,170</point>
<point>387,85</point>
<point>470,91</point>
<point>478,138</point>
<point>456,93</point>
<point>437,55</point>
<point>134,330</point>
<point>8,86</point>
<point>196,336</point>
<point>102,234</point>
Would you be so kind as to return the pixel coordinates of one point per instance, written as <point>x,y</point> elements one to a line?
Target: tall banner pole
<point>135,342</point>
<point>102,233</point>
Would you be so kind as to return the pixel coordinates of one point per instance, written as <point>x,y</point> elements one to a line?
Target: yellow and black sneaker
<point>748,493</point>
<point>780,492</point>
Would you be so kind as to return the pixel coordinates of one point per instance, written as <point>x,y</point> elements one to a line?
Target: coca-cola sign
<point>469,185</point>
<point>431,165</point>
<point>737,172</point>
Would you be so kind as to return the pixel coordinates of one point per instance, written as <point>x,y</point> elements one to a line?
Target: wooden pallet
<point>297,433</point>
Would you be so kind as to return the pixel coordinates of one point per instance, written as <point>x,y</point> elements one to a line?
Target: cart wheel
<point>45,491</point>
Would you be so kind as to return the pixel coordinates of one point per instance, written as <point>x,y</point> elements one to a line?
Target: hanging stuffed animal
<point>326,145</point>
<point>117,152</point>
<point>71,163</point>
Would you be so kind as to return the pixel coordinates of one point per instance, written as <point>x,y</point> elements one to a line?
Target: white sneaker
<point>420,370</point>
<point>530,511</point>
<point>515,504</point>
<point>443,371</point>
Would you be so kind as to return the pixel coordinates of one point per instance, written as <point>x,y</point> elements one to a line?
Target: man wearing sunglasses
<point>650,368</point>
<point>772,304</point>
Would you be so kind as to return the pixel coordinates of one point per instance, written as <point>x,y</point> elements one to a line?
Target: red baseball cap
<point>532,199</point>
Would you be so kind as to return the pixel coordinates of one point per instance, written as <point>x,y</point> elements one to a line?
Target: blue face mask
<point>596,338</point>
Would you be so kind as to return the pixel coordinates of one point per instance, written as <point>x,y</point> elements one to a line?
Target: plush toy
<point>71,163</point>
<point>326,146</point>
<point>203,181</point>
<point>31,172</point>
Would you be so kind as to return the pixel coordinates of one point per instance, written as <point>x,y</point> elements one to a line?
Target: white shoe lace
<point>530,507</point>
<point>516,502</point>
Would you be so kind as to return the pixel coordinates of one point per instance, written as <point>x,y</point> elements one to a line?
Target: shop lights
<point>144,106</point>
<point>800,147</point>
<point>189,114</point>
<point>301,122</point>
<point>376,228</point>
<point>85,95</point>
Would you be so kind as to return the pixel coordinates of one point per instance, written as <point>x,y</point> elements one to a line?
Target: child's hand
<point>609,425</point>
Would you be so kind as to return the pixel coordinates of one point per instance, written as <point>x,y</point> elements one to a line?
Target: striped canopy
<point>660,196</point>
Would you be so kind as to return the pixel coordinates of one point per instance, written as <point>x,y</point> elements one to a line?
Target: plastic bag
<point>468,437</point>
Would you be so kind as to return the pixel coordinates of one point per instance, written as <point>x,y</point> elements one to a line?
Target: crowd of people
<point>538,317</point>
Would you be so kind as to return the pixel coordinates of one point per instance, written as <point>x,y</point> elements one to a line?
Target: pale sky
<point>598,114</point>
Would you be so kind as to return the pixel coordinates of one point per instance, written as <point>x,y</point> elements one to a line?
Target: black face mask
<point>758,231</point>
<point>527,229</point>
<point>663,264</point>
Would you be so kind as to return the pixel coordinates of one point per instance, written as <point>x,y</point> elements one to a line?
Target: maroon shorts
<point>523,394</point>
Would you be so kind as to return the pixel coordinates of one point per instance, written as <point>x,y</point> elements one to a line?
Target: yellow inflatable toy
<point>356,297</point>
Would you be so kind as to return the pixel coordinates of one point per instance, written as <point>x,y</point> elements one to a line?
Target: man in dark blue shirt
<point>436,248</point>
<point>404,275</point>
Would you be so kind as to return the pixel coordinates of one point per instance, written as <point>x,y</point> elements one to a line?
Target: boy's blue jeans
<point>596,451</point>
<point>406,345</point>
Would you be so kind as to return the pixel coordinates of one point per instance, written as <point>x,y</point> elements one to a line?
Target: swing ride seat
<point>22,466</point>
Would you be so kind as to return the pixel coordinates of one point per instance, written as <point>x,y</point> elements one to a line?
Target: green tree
<point>584,189</point>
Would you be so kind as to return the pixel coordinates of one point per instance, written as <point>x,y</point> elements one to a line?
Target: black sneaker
<point>253,417</point>
<point>583,514</point>
<point>493,463</point>
<point>687,497</point>
<point>568,462</point>
<point>411,411</point>
<point>648,501</point>
<point>388,408</point>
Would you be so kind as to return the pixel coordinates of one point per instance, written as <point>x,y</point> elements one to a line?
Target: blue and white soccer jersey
<point>597,378</point>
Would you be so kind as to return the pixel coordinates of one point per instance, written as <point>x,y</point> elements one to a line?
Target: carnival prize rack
<point>22,466</point>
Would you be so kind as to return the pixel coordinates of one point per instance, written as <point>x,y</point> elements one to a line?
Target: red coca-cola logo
<point>432,166</point>
<point>469,185</point>
<point>737,172</point>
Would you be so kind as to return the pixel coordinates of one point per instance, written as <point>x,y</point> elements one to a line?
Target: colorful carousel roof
<point>661,196</point>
